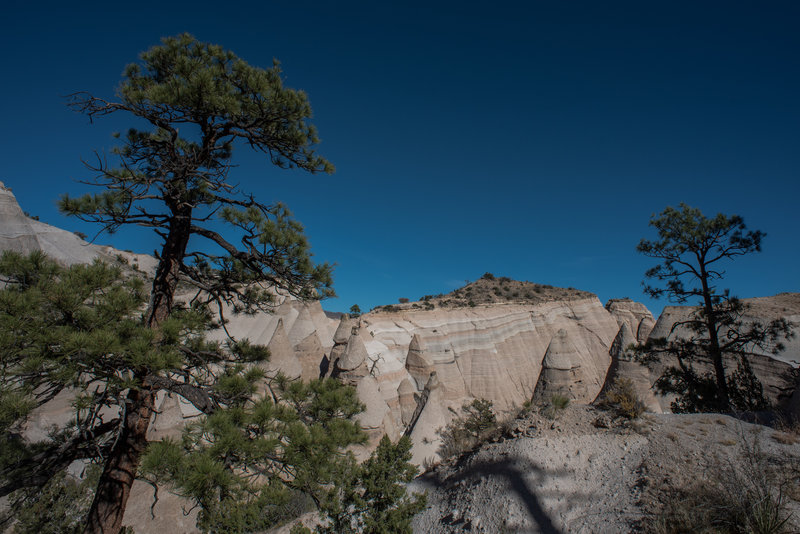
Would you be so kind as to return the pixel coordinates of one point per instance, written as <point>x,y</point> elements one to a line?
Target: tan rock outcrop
<point>351,367</point>
<point>562,371</point>
<point>283,357</point>
<point>418,362</point>
<point>635,314</point>
<point>623,365</point>
<point>406,395</point>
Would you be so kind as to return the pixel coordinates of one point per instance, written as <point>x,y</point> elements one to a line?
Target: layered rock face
<point>428,363</point>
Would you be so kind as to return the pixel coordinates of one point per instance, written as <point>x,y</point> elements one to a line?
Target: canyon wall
<point>425,364</point>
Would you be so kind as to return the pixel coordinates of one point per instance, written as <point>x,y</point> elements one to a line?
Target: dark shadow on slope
<point>514,470</point>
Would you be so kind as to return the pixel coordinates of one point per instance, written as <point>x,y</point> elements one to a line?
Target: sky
<point>532,140</point>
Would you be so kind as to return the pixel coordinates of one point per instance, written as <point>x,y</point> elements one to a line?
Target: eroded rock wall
<point>501,352</point>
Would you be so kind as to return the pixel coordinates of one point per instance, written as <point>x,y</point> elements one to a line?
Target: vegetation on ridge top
<point>491,289</point>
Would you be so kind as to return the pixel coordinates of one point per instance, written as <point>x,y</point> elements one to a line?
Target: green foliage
<point>355,310</point>
<point>554,405</point>
<point>467,430</point>
<point>57,508</point>
<point>478,416</point>
<point>197,102</point>
<point>559,402</point>
<point>690,249</point>
<point>79,329</point>
<point>372,498</point>
<point>621,398</point>
<point>294,446</point>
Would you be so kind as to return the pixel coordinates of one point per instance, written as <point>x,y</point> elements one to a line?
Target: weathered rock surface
<point>777,372</point>
<point>635,314</point>
<point>623,365</point>
<point>563,371</point>
<point>20,233</point>
<point>500,352</point>
<point>569,475</point>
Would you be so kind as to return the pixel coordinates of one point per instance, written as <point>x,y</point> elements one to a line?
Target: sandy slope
<point>568,475</point>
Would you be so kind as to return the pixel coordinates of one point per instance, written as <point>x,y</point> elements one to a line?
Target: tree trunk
<point>166,279</point>
<point>714,349</point>
<point>114,487</point>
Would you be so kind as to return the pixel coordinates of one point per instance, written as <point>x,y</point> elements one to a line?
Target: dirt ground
<point>584,472</point>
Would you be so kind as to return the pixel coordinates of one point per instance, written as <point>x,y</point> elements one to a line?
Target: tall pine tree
<point>691,249</point>
<point>198,102</point>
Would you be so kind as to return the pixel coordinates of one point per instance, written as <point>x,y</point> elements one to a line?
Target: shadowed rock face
<point>623,365</point>
<point>775,371</point>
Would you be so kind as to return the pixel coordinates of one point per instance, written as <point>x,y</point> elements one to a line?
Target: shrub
<point>488,276</point>
<point>746,496</point>
<point>403,300</point>
<point>553,406</point>
<point>622,399</point>
<point>465,432</point>
<point>559,402</point>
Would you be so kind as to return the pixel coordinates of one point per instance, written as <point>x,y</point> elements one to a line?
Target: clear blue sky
<point>532,140</point>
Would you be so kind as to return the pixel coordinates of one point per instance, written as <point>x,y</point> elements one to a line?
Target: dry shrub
<point>785,438</point>
<point>464,433</point>
<point>621,398</point>
<point>746,496</point>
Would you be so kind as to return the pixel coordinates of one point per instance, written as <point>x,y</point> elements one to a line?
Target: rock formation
<point>778,373</point>
<point>638,318</point>
<point>20,233</point>
<point>623,365</point>
<point>434,361</point>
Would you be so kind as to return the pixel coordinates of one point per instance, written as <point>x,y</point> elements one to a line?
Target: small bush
<point>621,398</point>
<point>465,432</point>
<point>559,402</point>
<point>746,496</point>
<point>488,276</point>
<point>554,405</point>
<point>403,300</point>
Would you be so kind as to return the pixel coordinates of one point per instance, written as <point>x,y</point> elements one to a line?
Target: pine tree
<point>372,498</point>
<point>79,331</point>
<point>248,462</point>
<point>691,249</point>
<point>253,465</point>
<point>197,101</point>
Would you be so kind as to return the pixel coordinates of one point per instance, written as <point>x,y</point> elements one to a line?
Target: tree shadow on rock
<point>522,477</point>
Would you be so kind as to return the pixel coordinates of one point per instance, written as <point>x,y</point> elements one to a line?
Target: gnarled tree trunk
<point>119,473</point>
<point>114,487</point>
